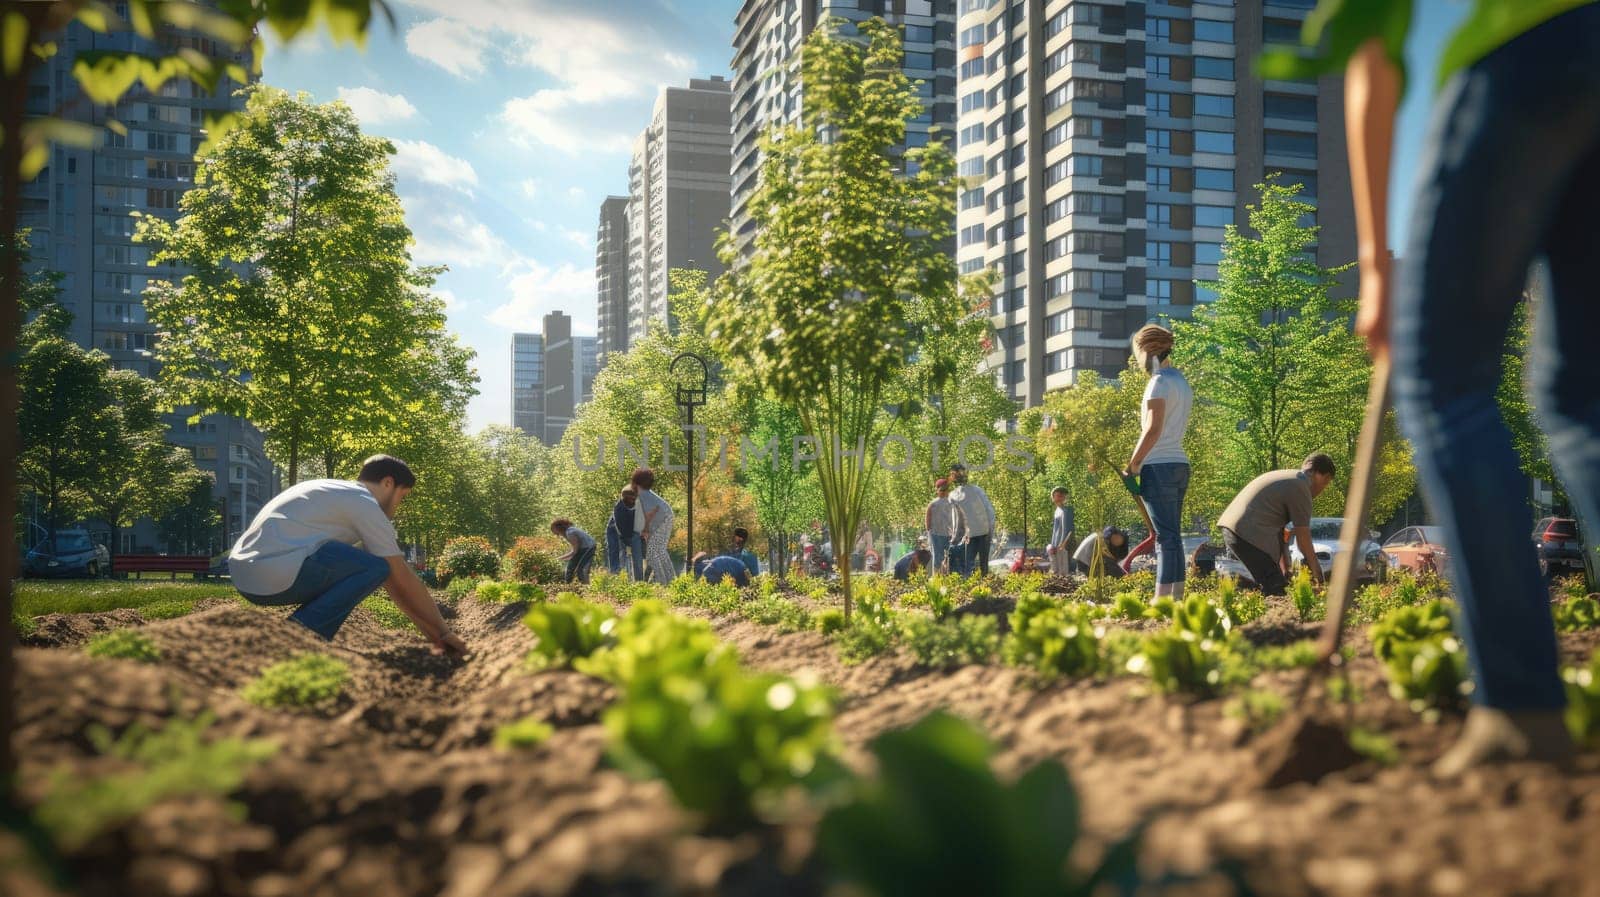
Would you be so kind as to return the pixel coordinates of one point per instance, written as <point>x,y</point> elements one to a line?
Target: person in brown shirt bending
<point>1253,524</point>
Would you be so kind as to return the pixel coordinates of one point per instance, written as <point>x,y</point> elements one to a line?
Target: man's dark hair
<point>958,466</point>
<point>740,532</point>
<point>1059,490</point>
<point>644,478</point>
<point>1318,462</point>
<point>378,468</point>
<point>560,525</point>
<point>924,556</point>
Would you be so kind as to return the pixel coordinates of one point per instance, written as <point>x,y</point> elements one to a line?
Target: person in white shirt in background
<point>300,549</point>
<point>977,511</point>
<point>1061,527</point>
<point>657,527</point>
<point>1159,460</point>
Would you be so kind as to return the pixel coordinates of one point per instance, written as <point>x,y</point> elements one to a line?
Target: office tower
<point>678,195</point>
<point>586,366</point>
<point>527,383</point>
<point>766,83</point>
<point>1108,145</point>
<point>611,276</point>
<point>79,213</point>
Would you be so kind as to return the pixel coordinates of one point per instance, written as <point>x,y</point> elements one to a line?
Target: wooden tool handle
<point>1357,505</point>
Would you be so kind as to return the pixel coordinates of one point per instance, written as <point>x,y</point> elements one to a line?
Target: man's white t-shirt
<point>301,519</point>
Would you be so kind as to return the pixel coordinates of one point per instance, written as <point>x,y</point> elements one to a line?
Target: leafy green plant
<point>307,680</point>
<point>567,628</point>
<point>1423,660</point>
<point>830,622</point>
<point>1294,655</point>
<point>1054,640</point>
<point>533,559</point>
<point>619,587</point>
<point>863,639</point>
<point>127,644</point>
<point>1179,661</point>
<point>174,761</point>
<point>1374,745</point>
<point>1162,608</point>
<point>1583,701</point>
<point>460,588</point>
<point>1572,588</point>
<point>1307,603</point>
<point>1129,606</point>
<point>1240,607</point>
<point>386,612</point>
<point>935,820</point>
<point>528,732</point>
<point>953,642</point>
<point>775,610</point>
<point>509,592</point>
<point>651,642</point>
<point>1257,708</point>
<point>1577,614</point>
<point>468,556</point>
<point>1201,618</point>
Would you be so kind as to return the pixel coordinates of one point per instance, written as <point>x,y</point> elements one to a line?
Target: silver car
<point>1325,542</point>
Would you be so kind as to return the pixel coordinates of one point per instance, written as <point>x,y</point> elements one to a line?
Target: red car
<point>1419,549</point>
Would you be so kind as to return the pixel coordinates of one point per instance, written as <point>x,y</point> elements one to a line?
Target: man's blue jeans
<point>613,552</point>
<point>618,548</point>
<point>974,555</point>
<point>1163,486</point>
<point>332,581</point>
<point>940,546</point>
<point>1510,173</point>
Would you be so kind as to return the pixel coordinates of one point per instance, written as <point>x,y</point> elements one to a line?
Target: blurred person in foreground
<point>1510,174</point>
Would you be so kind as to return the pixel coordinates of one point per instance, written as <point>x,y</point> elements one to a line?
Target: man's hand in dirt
<point>450,645</point>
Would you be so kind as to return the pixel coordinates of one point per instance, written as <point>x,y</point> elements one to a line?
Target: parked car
<point>70,553</point>
<point>1325,542</point>
<point>1419,549</point>
<point>1560,549</point>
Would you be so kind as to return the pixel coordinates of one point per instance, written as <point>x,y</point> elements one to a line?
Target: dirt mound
<point>68,630</point>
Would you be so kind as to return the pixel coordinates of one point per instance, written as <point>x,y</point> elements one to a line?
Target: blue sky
<point>513,119</point>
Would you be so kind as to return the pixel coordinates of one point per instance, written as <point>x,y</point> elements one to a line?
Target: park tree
<point>64,397</point>
<point>1277,370</point>
<point>193,524</point>
<point>1517,408</point>
<point>300,280</point>
<point>787,495</point>
<point>28,31</point>
<point>849,271</point>
<point>515,500</point>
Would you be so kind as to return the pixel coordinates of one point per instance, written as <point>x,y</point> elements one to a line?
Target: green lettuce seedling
<point>568,628</point>
<point>125,644</point>
<point>1583,701</point>
<point>1054,639</point>
<point>1424,661</point>
<point>1577,614</point>
<point>307,680</point>
<point>947,644</point>
<point>528,732</point>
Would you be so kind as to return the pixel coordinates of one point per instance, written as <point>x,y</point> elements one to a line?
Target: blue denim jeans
<point>578,565</point>
<point>940,546</point>
<point>1510,173</point>
<point>332,581</point>
<point>1163,486</point>
<point>613,552</point>
<point>620,551</point>
<point>975,555</point>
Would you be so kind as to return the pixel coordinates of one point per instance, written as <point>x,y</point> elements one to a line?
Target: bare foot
<point>1499,736</point>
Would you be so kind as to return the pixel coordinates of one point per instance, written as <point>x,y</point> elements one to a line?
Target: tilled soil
<point>395,789</point>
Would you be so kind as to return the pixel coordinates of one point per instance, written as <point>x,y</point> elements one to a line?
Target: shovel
<point>1149,542</point>
<point>1303,748</point>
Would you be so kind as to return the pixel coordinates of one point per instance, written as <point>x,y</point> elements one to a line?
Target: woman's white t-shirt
<point>1170,385</point>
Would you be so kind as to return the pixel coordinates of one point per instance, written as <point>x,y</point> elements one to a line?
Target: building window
<point>1213,142</point>
<point>1279,31</point>
<point>971,235</point>
<point>1213,216</point>
<point>1158,29</point>
<point>1159,177</point>
<point>972,68</point>
<point>1305,179</point>
<point>1282,143</point>
<point>1207,253</point>
<point>1160,253</point>
<point>1296,108</point>
<point>1213,67</point>
<point>1158,140</point>
<point>1213,31</point>
<point>1158,103</point>
<point>1104,282</point>
<point>1213,179</point>
<point>972,101</point>
<point>1158,66</point>
<point>971,134</point>
<point>1159,214</point>
<point>971,199</point>
<point>1109,204</point>
<point>1158,292</point>
<point>1210,104</point>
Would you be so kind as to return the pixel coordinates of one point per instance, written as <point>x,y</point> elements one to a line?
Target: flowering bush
<point>469,556</point>
<point>534,560</point>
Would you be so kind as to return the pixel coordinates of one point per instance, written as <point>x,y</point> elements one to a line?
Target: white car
<point>1325,542</point>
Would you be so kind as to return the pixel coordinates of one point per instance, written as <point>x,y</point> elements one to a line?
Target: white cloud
<point>374,107</point>
<point>451,44</point>
<point>578,237</point>
<point>448,297</point>
<point>557,119</point>
<point>455,239</point>
<point>537,289</point>
<point>530,187</point>
<point>576,193</point>
<point>431,165</point>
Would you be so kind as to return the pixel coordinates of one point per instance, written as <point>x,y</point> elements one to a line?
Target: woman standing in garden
<point>1158,460</point>
<point>657,526</point>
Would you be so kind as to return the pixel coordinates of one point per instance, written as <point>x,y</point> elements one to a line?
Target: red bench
<point>199,565</point>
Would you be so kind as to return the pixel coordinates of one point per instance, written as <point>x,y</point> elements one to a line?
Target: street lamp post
<point>688,397</point>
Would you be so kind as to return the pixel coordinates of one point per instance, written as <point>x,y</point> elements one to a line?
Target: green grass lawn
<point>153,600</point>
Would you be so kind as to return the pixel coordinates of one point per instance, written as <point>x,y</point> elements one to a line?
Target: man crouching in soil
<point>301,550</point>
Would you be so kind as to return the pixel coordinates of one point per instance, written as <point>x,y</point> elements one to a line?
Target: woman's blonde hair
<point>1152,341</point>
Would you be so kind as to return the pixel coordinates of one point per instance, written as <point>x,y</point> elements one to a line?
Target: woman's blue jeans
<point>1162,486</point>
<point>1510,173</point>
<point>331,582</point>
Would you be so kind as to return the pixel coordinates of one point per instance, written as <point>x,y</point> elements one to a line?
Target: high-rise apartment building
<point>766,83</point>
<point>1108,144</point>
<point>551,374</point>
<point>611,276</point>
<point>527,383</point>
<point>678,195</point>
<point>79,211</point>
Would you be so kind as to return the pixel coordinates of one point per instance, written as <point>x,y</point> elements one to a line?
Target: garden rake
<point>1148,542</point>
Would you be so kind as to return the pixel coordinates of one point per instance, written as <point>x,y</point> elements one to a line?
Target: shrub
<point>567,628</point>
<point>174,761</point>
<point>126,644</point>
<point>1054,640</point>
<point>1577,614</point>
<point>1307,603</point>
<point>1240,607</point>
<point>533,560</point>
<point>528,732</point>
<point>775,610</point>
<point>1201,618</point>
<point>509,592</point>
<point>935,820</point>
<point>1179,661</point>
<point>861,640</point>
<point>1424,662</point>
<point>469,556</point>
<point>460,588</point>
<point>1583,701</point>
<point>1029,606</point>
<point>830,621</point>
<point>307,680</point>
<point>620,588</point>
<point>947,644</point>
<point>1162,608</point>
<point>1573,587</point>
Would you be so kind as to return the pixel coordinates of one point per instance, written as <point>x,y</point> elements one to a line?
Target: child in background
<point>581,556</point>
